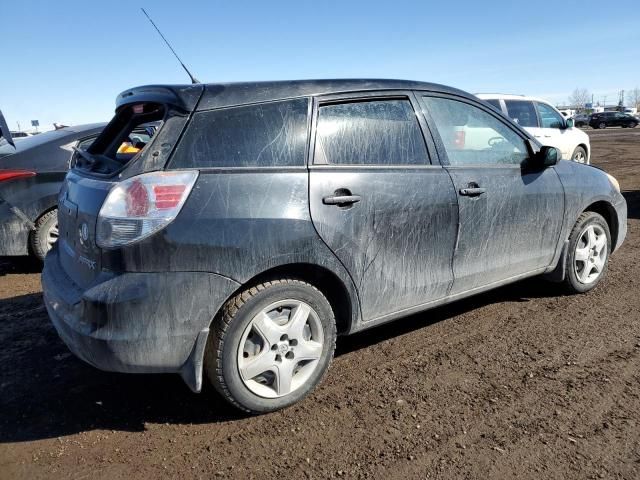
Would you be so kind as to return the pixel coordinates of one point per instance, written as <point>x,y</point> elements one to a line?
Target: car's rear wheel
<point>579,155</point>
<point>602,125</point>
<point>271,345</point>
<point>588,255</point>
<point>45,234</point>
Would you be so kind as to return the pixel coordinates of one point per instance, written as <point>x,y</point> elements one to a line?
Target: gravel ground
<point>520,382</point>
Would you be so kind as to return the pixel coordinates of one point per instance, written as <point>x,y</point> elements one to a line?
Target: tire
<point>579,155</point>
<point>251,359</point>
<point>602,125</point>
<point>577,278</point>
<point>44,235</point>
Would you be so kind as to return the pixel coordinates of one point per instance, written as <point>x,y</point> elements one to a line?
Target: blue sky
<point>67,60</point>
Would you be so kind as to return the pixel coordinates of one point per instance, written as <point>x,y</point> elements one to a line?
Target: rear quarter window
<point>265,135</point>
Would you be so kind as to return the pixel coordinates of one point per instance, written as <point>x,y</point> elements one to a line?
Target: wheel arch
<point>607,211</point>
<point>329,283</point>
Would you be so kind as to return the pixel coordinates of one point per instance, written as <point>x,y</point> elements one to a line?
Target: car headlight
<point>614,182</point>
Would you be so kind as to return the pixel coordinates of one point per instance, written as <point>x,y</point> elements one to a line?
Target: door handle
<point>472,192</point>
<point>341,200</point>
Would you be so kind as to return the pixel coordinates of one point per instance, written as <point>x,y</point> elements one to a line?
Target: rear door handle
<point>472,192</point>
<point>341,200</point>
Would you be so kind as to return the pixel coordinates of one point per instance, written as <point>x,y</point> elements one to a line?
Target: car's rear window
<point>523,112</point>
<point>265,135</point>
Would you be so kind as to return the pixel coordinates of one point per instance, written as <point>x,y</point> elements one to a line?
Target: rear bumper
<point>137,322</point>
<point>14,231</point>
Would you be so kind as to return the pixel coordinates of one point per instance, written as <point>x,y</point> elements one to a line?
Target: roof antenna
<point>193,79</point>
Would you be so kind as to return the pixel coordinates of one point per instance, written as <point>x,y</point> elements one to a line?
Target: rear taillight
<point>142,205</point>
<point>13,174</point>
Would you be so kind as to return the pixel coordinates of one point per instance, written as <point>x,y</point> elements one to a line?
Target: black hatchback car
<point>612,119</point>
<point>263,219</point>
<point>31,174</point>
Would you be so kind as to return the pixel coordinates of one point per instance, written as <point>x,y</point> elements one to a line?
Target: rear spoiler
<point>184,97</point>
<point>4,131</point>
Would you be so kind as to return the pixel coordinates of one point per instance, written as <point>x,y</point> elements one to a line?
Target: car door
<point>619,119</point>
<point>510,218</point>
<point>552,126</point>
<point>377,201</point>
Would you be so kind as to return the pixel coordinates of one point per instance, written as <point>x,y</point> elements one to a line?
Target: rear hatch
<point>117,154</point>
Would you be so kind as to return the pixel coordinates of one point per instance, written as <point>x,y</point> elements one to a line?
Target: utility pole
<point>18,126</point>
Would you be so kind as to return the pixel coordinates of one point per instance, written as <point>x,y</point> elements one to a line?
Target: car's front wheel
<point>579,155</point>
<point>271,345</point>
<point>602,125</point>
<point>588,255</point>
<point>45,234</point>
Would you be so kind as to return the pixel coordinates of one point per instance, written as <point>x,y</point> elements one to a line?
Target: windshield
<point>30,142</point>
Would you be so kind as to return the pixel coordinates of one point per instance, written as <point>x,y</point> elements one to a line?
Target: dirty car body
<point>371,191</point>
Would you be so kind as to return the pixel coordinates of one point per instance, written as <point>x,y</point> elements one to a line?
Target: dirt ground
<point>520,382</point>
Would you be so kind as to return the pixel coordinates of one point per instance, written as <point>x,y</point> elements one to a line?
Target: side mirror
<point>569,123</point>
<point>547,156</point>
<point>541,157</point>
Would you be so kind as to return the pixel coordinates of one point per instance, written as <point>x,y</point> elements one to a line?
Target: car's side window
<point>549,118</point>
<point>522,112</point>
<point>263,135</point>
<point>371,132</point>
<point>472,136</point>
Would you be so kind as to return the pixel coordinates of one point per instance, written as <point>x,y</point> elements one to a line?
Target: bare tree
<point>579,97</point>
<point>634,98</point>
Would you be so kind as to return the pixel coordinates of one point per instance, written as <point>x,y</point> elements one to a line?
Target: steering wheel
<point>495,141</point>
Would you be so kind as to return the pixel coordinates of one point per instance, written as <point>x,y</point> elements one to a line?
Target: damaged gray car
<point>264,219</point>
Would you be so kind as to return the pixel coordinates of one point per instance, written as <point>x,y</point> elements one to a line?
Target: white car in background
<point>544,122</point>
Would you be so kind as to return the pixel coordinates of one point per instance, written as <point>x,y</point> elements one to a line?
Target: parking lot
<point>519,382</point>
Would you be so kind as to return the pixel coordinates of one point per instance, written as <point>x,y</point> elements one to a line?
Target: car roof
<point>65,134</point>
<point>509,96</point>
<point>216,95</point>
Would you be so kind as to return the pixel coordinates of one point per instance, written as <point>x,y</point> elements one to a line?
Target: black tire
<point>40,239</point>
<point>221,355</point>
<point>571,282</point>
<point>602,125</point>
<point>579,151</point>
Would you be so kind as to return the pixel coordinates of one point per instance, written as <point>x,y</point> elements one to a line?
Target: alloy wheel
<point>280,348</point>
<point>579,157</point>
<point>590,254</point>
